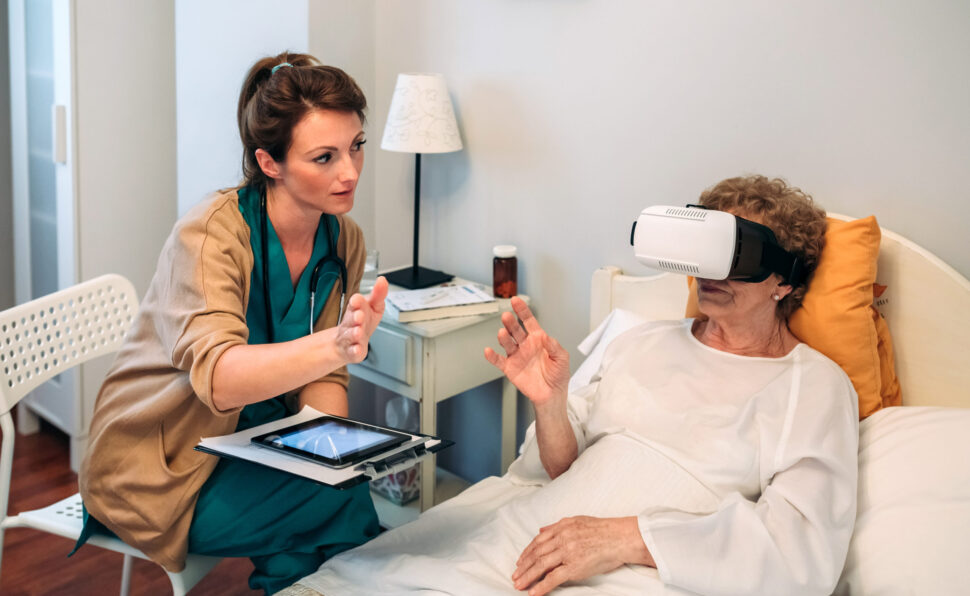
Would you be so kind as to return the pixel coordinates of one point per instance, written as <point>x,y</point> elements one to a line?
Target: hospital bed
<point>913,519</point>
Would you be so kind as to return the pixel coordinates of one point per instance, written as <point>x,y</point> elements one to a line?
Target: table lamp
<point>420,120</point>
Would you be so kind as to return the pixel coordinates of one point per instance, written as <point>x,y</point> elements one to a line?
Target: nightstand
<point>429,362</point>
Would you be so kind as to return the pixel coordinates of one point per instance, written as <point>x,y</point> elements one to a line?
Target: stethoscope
<point>331,257</point>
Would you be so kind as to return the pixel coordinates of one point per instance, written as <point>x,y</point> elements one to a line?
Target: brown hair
<point>798,223</point>
<point>272,103</point>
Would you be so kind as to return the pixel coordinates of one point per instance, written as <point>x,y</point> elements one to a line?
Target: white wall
<point>577,114</point>
<point>125,144</point>
<point>341,34</point>
<point>6,198</point>
<point>216,42</point>
<point>125,172</point>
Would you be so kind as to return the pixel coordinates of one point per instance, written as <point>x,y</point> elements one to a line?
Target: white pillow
<point>912,533</point>
<point>615,323</point>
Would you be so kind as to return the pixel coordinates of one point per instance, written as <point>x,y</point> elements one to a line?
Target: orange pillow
<point>837,316</point>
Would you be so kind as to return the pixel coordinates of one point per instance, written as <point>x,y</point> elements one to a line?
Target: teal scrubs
<point>287,526</point>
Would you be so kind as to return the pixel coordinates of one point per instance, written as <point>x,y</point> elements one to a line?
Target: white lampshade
<point>421,118</point>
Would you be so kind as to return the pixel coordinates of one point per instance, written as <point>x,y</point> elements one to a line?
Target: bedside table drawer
<point>391,354</point>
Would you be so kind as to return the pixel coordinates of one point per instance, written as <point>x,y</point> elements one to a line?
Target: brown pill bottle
<point>504,271</point>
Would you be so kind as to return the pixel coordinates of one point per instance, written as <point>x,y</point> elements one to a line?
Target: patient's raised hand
<point>534,362</point>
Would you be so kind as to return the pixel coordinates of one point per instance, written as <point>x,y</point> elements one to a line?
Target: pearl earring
<point>776,297</point>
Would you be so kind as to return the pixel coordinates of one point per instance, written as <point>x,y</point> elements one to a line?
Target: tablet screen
<point>333,441</point>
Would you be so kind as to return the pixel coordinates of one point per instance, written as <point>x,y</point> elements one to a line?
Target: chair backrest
<point>48,335</point>
<point>51,334</point>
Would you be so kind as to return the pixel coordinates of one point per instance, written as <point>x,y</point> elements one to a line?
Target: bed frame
<point>927,306</point>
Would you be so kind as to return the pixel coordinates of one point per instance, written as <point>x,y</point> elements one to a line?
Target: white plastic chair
<point>40,339</point>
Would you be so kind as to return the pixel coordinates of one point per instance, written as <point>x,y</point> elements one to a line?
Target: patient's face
<point>720,299</point>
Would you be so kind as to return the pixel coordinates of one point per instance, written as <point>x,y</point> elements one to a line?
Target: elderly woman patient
<point>713,456</point>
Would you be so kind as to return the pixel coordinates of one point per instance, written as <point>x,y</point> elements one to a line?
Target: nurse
<point>252,314</point>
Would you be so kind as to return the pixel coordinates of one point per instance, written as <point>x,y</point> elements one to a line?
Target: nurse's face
<point>323,162</point>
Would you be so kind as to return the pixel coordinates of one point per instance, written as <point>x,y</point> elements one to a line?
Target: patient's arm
<point>576,548</point>
<point>539,367</point>
<point>557,443</point>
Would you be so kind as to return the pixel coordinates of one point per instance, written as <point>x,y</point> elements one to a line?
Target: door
<point>43,179</point>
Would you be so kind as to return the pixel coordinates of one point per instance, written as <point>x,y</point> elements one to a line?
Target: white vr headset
<point>711,244</point>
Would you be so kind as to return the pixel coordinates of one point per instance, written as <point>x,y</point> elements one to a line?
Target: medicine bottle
<point>504,271</point>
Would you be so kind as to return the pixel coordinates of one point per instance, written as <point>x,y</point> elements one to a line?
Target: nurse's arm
<point>325,396</point>
<point>246,374</point>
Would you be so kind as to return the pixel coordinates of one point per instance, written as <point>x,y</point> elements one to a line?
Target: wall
<point>215,44</point>
<point>125,144</point>
<point>341,34</point>
<point>6,199</point>
<point>577,114</point>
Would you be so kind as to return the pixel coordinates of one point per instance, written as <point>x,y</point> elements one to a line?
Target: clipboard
<point>239,446</point>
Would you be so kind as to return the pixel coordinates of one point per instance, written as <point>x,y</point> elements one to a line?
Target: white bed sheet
<point>910,536</point>
<point>469,545</point>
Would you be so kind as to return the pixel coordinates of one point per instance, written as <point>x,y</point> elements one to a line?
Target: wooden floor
<point>36,563</point>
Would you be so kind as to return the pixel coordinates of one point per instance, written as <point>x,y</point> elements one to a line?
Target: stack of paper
<point>439,302</point>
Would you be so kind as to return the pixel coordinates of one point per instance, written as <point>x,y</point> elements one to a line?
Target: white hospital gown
<point>741,470</point>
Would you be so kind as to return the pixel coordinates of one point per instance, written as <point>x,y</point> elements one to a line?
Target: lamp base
<point>414,278</point>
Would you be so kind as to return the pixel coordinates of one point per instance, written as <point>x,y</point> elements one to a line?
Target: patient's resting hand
<point>576,548</point>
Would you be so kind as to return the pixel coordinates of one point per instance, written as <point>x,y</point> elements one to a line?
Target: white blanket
<point>469,545</point>
<point>741,472</point>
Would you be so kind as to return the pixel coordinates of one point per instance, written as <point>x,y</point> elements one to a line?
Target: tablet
<point>335,442</point>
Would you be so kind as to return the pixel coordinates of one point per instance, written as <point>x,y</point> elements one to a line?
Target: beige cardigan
<point>140,475</point>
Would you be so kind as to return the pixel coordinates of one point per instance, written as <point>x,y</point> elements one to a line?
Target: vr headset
<point>711,244</point>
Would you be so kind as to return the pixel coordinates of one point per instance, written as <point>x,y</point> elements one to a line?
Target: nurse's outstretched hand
<point>534,362</point>
<point>361,319</point>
